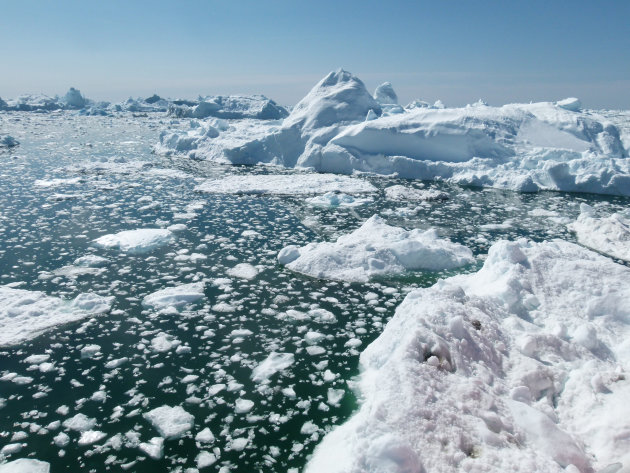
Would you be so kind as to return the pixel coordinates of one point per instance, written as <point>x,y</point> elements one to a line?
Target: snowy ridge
<point>339,127</point>
<point>519,367</point>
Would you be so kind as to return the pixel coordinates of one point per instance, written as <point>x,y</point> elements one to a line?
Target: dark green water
<point>43,229</point>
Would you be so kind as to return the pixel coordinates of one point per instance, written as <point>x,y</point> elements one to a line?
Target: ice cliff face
<point>339,127</point>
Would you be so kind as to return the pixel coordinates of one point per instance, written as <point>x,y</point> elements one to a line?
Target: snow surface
<point>25,465</point>
<point>137,241</point>
<point>285,184</point>
<point>519,367</point>
<point>608,235</point>
<point>177,296</point>
<point>26,314</point>
<point>339,127</point>
<point>375,249</point>
<point>170,422</point>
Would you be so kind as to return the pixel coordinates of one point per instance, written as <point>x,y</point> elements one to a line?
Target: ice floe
<point>170,422</point>
<point>25,465</point>
<point>519,367</point>
<point>375,248</point>
<point>609,235</point>
<point>230,107</point>
<point>177,296</point>
<point>286,184</point>
<point>26,314</point>
<point>136,241</point>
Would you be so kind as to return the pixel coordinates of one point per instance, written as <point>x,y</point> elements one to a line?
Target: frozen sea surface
<point>266,362</point>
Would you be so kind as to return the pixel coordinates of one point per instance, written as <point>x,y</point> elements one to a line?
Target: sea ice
<point>609,235</point>
<point>271,365</point>
<point>518,367</point>
<point>26,314</point>
<point>285,184</point>
<point>25,465</point>
<point>176,296</point>
<point>136,241</point>
<point>243,271</point>
<point>170,422</point>
<point>375,249</point>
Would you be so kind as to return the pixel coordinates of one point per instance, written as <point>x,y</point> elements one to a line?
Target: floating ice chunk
<point>61,439</point>
<point>608,235</point>
<point>80,422</point>
<point>271,365</point>
<point>136,241</point>
<point>494,334</point>
<point>57,182</point>
<point>170,422</point>
<point>154,448</point>
<point>332,199</point>
<point>91,261</point>
<point>243,271</point>
<point>403,193</point>
<point>112,364</point>
<point>91,436</point>
<point>26,314</point>
<point>25,465</point>
<point>205,436</point>
<point>36,359</point>
<point>89,351</point>
<point>243,406</point>
<point>177,296</point>
<point>205,459</point>
<point>377,249</point>
<point>238,444</point>
<point>164,342</point>
<point>11,449</point>
<point>286,184</point>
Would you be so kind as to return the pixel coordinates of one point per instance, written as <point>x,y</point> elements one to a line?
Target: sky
<point>456,51</point>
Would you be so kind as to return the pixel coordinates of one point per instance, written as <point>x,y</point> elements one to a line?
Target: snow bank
<point>170,422</point>
<point>27,314</point>
<point>339,127</point>
<point>177,296</point>
<point>137,241</point>
<point>609,235</point>
<point>375,249</point>
<point>25,465</point>
<point>519,367</point>
<point>285,184</point>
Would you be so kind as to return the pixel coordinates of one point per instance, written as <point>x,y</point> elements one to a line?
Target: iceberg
<point>26,314</point>
<point>177,296</point>
<point>338,127</point>
<point>138,241</point>
<point>518,367</point>
<point>608,235</point>
<point>230,107</point>
<point>25,465</point>
<point>375,249</point>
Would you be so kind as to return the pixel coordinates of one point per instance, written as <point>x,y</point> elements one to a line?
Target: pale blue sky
<point>457,51</point>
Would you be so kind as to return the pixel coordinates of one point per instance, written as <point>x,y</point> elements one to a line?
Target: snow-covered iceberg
<point>142,240</point>
<point>230,107</point>
<point>374,249</point>
<point>519,367</point>
<point>608,235</point>
<point>176,296</point>
<point>26,314</point>
<point>339,127</point>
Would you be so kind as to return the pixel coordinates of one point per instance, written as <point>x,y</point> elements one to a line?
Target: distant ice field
<point>254,361</point>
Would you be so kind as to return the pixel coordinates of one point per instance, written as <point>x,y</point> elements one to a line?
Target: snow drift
<point>519,367</point>
<point>339,127</point>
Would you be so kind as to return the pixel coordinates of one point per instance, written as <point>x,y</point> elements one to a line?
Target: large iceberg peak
<point>385,94</point>
<point>340,97</point>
